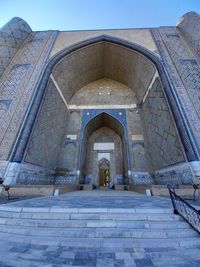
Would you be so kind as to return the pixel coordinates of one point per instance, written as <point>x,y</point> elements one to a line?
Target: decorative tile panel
<point>19,83</point>
<point>189,26</point>
<point>161,140</point>
<point>48,135</point>
<point>12,35</point>
<point>184,72</point>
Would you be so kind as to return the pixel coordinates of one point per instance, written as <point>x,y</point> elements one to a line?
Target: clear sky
<point>96,14</point>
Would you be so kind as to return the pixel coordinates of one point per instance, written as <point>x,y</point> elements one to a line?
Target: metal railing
<point>185,210</point>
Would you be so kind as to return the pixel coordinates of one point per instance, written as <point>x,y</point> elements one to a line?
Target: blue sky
<point>96,14</point>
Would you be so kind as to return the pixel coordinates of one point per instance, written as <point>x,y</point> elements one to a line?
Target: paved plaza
<point>96,199</point>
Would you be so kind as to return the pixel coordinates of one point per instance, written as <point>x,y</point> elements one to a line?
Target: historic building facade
<point>100,107</point>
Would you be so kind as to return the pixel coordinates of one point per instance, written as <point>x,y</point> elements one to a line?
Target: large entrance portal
<point>105,98</point>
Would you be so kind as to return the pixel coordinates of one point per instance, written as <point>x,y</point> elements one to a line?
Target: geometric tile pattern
<point>69,158</point>
<point>69,152</point>
<point>104,92</point>
<point>138,156</point>
<point>184,73</point>
<point>18,85</point>
<point>103,60</point>
<point>186,65</point>
<point>12,35</point>
<point>160,136</point>
<point>48,135</point>
<point>178,177</point>
<point>136,146</point>
<point>189,26</point>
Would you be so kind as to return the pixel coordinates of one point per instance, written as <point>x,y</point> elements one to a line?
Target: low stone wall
<point>87,187</point>
<point>179,174</point>
<point>140,188</point>
<point>27,190</point>
<point>3,166</point>
<point>141,178</point>
<point>66,188</point>
<point>183,191</point>
<point>31,174</point>
<point>121,187</point>
<point>36,191</point>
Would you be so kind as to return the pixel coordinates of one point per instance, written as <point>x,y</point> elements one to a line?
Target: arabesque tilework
<point>188,25</point>
<point>160,136</point>
<point>12,35</point>
<point>184,73</point>
<point>18,85</point>
<point>46,140</point>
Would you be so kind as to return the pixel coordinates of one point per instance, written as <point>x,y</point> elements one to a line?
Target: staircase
<point>96,237</point>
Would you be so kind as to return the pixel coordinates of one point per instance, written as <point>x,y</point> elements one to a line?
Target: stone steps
<point>90,223</point>
<point>80,242</point>
<point>73,236</point>
<point>98,232</point>
<point>92,218</point>
<point>154,225</point>
<point>89,216</point>
<point>95,216</point>
<point>84,227</point>
<point>18,209</point>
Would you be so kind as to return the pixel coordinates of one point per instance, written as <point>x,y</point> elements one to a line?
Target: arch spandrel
<point>118,117</point>
<point>142,37</point>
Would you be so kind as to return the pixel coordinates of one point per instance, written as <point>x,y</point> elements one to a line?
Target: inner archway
<point>104,142</point>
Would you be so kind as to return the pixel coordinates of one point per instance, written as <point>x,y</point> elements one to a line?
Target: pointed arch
<point>103,160</point>
<point>96,120</point>
<point>183,127</point>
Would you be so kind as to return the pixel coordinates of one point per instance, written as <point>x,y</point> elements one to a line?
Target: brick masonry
<point>102,73</point>
<point>183,69</point>
<point>160,136</point>
<point>12,35</point>
<point>46,140</point>
<point>18,84</point>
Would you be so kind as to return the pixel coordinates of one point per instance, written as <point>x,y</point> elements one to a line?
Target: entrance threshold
<point>105,188</point>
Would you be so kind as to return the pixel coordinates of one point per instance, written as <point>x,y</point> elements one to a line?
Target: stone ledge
<point>121,187</point>
<point>182,191</point>
<point>87,187</point>
<point>140,188</point>
<point>134,211</point>
<point>37,190</point>
<point>162,190</point>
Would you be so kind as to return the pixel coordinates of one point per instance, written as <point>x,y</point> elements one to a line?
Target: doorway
<point>104,173</point>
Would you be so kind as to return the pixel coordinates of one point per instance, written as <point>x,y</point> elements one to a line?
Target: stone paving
<point>96,199</point>
<point>5,200</point>
<point>96,228</point>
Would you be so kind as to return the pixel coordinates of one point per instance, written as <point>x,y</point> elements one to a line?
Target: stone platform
<point>96,228</point>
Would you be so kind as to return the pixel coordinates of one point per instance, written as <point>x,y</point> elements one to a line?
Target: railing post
<point>185,210</point>
<point>173,202</point>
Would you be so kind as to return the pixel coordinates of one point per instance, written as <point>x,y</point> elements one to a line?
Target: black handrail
<point>185,210</point>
